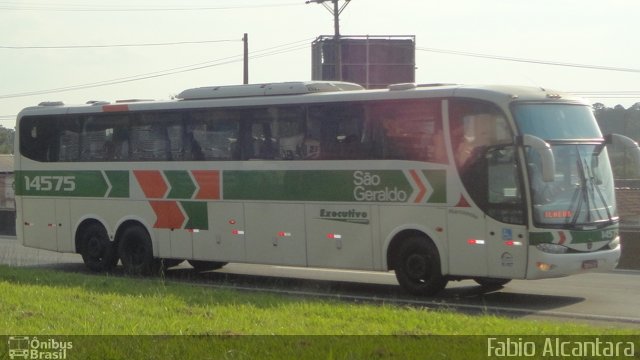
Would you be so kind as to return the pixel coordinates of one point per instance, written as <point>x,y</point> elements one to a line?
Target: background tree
<point>6,140</point>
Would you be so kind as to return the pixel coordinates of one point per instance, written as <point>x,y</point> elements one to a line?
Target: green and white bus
<point>436,182</point>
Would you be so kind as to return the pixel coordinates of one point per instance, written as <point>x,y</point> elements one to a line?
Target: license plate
<point>589,264</point>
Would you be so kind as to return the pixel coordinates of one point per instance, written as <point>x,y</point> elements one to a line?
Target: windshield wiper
<point>581,195</point>
<point>596,190</point>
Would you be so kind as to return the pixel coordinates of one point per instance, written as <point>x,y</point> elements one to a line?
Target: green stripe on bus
<point>197,215</point>
<point>536,238</point>
<point>61,183</point>
<point>574,236</point>
<point>329,185</point>
<point>438,181</point>
<point>180,184</point>
<point>119,184</point>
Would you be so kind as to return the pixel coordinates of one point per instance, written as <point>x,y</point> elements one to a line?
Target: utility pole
<point>336,10</point>
<point>245,68</point>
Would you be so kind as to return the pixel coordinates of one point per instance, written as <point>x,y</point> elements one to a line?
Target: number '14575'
<point>50,183</point>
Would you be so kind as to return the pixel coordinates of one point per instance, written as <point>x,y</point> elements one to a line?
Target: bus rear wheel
<point>202,265</point>
<point>98,253</point>
<point>417,266</point>
<point>136,252</point>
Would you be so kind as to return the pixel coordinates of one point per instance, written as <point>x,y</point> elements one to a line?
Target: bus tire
<point>417,266</point>
<point>491,282</point>
<point>98,253</point>
<point>202,265</point>
<point>136,252</point>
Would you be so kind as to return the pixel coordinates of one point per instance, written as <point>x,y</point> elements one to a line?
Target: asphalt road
<point>611,298</point>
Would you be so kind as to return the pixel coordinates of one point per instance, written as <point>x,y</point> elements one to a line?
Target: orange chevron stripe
<point>423,189</point>
<point>168,214</point>
<point>209,184</point>
<point>152,183</point>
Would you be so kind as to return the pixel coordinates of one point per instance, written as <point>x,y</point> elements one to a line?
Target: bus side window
<point>408,130</point>
<point>69,131</point>
<point>102,138</point>
<point>149,139</point>
<point>340,130</point>
<point>38,138</point>
<point>289,132</point>
<point>214,134</point>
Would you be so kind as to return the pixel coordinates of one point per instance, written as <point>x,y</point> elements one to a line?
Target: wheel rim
<point>135,252</point>
<point>417,267</point>
<point>94,247</point>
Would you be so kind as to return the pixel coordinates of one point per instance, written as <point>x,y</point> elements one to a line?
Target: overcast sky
<point>60,44</point>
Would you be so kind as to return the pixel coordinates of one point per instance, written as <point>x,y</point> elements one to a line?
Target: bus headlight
<point>542,266</point>
<point>552,248</point>
<point>614,243</point>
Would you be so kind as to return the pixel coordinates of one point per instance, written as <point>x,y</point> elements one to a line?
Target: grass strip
<point>52,303</point>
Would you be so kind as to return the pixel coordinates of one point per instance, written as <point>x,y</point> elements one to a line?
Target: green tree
<point>6,140</point>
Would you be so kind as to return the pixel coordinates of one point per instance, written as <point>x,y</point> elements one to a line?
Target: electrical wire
<point>276,50</point>
<point>531,61</point>
<point>623,94</point>
<point>77,8</point>
<point>115,45</point>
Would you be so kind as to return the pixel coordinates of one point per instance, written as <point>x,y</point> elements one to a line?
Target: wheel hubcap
<point>417,267</point>
<point>94,247</point>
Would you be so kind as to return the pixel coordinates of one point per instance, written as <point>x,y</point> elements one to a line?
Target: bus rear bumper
<point>545,265</point>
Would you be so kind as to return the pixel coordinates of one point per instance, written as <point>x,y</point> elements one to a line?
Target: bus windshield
<point>582,193</point>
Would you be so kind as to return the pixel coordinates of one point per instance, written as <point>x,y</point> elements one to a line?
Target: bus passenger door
<point>506,250</point>
<point>506,230</point>
<point>275,234</point>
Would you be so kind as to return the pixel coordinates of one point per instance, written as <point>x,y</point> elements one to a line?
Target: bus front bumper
<point>543,265</point>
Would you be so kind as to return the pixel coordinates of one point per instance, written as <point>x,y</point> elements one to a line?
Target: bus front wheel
<point>417,266</point>
<point>136,252</point>
<point>98,253</point>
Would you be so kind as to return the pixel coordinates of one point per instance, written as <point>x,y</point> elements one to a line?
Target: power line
<point>114,45</point>
<point>532,61</point>
<point>76,8</point>
<point>276,50</point>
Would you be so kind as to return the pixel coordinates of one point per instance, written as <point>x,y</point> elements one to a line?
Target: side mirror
<point>546,155</point>
<point>629,145</point>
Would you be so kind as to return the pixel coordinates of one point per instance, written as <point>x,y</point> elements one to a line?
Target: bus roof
<point>307,92</point>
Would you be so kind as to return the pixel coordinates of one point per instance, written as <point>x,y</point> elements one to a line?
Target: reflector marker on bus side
<point>284,234</point>
<point>475,242</point>
<point>237,232</point>
<point>513,243</point>
<point>334,236</point>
